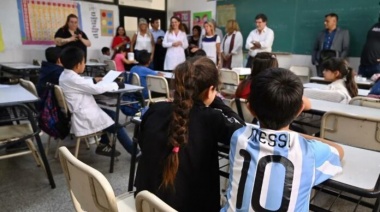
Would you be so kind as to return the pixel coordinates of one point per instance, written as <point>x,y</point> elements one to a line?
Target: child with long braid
<point>179,140</point>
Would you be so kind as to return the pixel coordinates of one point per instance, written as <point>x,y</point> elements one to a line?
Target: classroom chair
<point>352,130</point>
<point>365,102</point>
<point>28,85</point>
<point>94,60</point>
<point>240,106</point>
<point>89,189</point>
<point>110,65</point>
<point>302,72</point>
<point>18,133</point>
<point>230,81</point>
<point>148,202</point>
<point>157,84</point>
<point>65,110</point>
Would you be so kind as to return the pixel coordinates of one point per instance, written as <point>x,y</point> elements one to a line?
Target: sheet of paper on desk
<point>4,86</point>
<point>110,76</point>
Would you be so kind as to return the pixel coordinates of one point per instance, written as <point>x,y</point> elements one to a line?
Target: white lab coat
<point>174,55</point>
<point>87,117</point>
<point>237,50</point>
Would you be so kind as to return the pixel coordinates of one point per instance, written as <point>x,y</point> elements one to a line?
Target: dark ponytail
<point>346,72</point>
<point>192,80</point>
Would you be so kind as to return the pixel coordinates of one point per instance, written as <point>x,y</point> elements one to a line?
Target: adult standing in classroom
<point>71,35</point>
<point>331,42</point>
<point>175,41</point>
<point>232,46</point>
<point>143,40</point>
<point>370,58</point>
<point>121,39</point>
<point>260,39</point>
<point>159,50</point>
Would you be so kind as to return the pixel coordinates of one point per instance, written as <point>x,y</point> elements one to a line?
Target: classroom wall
<point>285,61</point>
<point>16,52</point>
<point>148,4</point>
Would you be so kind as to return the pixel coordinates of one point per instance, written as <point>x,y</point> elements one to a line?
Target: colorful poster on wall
<point>184,16</point>
<point>107,23</point>
<point>200,18</point>
<point>40,19</point>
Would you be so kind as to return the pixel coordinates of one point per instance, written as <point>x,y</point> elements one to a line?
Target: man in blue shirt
<point>331,42</point>
<point>159,51</point>
<point>142,70</point>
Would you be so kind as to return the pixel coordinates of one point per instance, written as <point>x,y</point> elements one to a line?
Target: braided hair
<point>193,78</point>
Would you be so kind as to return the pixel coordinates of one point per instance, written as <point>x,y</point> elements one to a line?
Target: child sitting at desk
<point>142,70</point>
<point>106,54</point>
<point>342,87</point>
<point>87,117</point>
<point>119,58</point>
<point>272,168</point>
<point>179,140</point>
<point>51,69</point>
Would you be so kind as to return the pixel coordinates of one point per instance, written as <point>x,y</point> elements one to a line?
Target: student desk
<point>320,107</point>
<point>361,92</point>
<point>24,70</point>
<point>361,84</point>
<point>17,96</point>
<point>93,66</point>
<point>360,175</point>
<point>116,96</point>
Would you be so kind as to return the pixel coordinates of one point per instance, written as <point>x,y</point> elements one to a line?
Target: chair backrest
<point>357,131</point>
<point>246,114</point>
<point>94,60</point>
<point>89,189</point>
<point>135,79</point>
<point>148,202</point>
<point>229,77</point>
<point>28,85</point>
<point>157,84</point>
<point>61,100</point>
<point>365,102</point>
<point>111,65</point>
<point>36,62</point>
<point>302,72</point>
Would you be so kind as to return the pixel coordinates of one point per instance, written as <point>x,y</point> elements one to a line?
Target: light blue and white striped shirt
<point>276,169</point>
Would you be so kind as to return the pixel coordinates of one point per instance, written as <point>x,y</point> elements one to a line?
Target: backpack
<point>131,109</point>
<point>51,120</point>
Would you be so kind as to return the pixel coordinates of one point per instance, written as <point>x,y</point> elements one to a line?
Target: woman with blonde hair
<point>232,46</point>
<point>143,40</point>
<point>210,43</point>
<point>175,41</point>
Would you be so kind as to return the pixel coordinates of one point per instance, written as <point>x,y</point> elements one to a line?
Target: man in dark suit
<point>331,42</point>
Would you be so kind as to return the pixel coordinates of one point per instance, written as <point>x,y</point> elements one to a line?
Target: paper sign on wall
<point>2,45</point>
<point>107,23</point>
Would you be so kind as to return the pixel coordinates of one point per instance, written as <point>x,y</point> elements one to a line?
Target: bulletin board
<point>40,19</point>
<point>107,23</point>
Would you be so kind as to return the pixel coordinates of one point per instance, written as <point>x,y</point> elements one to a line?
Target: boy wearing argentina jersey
<point>272,168</point>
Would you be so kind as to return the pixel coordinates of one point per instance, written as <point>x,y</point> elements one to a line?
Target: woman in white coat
<point>175,41</point>
<point>232,46</point>
<point>87,117</point>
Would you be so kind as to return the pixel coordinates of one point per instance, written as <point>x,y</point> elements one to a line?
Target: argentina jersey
<point>276,170</point>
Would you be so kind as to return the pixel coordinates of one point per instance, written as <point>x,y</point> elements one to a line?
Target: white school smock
<point>334,92</point>
<point>174,55</point>
<point>87,117</point>
<point>208,44</point>
<point>237,50</point>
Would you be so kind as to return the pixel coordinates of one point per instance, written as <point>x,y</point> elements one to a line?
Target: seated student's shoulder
<point>159,109</point>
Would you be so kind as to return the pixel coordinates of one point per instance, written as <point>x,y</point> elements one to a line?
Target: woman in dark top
<point>179,140</point>
<point>71,35</point>
<point>194,39</point>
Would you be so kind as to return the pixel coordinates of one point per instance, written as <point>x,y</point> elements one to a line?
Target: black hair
<point>336,64</point>
<point>153,20</point>
<point>117,30</point>
<point>52,54</point>
<point>262,17</point>
<point>105,50</point>
<point>71,56</point>
<point>334,15</point>
<point>143,57</point>
<point>198,28</point>
<point>276,97</point>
